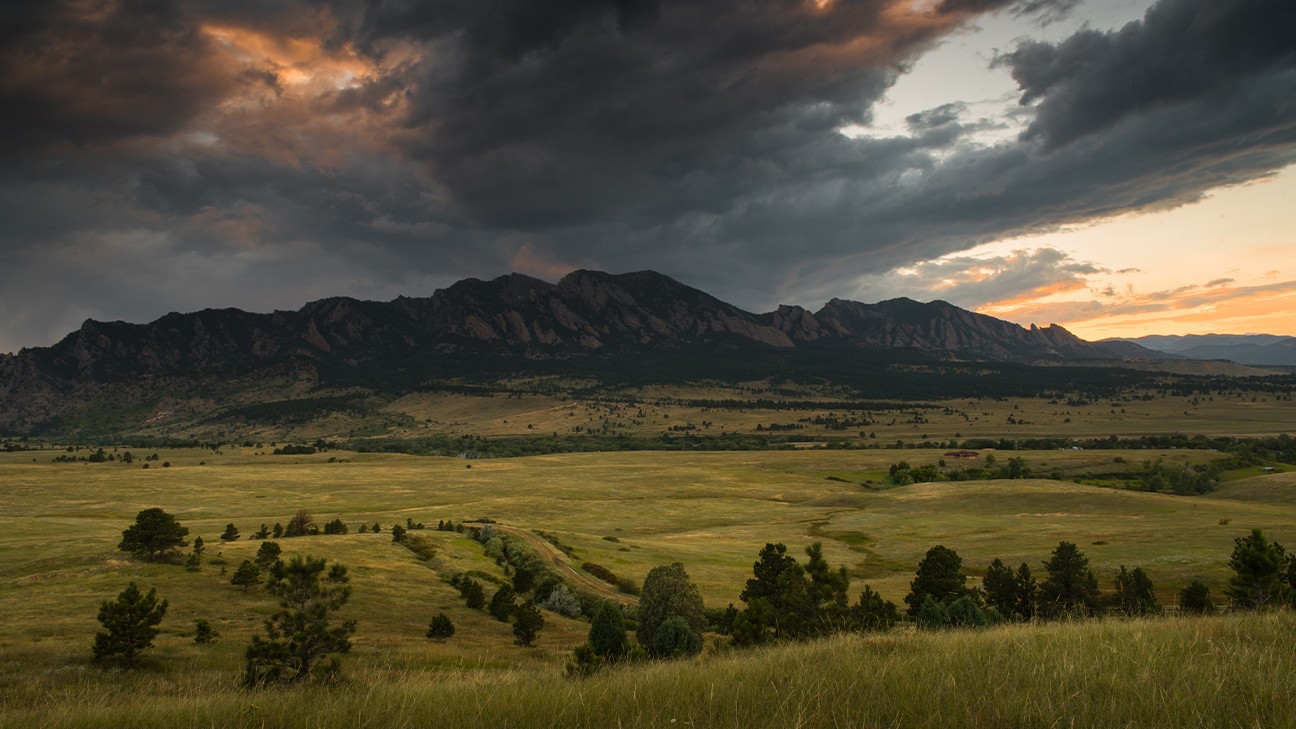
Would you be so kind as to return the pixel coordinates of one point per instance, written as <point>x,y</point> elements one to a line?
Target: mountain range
<point>589,317</point>
<point>1250,349</point>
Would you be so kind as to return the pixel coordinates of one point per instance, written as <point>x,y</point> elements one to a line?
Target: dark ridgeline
<point>588,319</point>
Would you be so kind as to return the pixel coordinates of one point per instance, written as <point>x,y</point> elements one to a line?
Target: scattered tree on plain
<point>155,535</point>
<point>299,635</point>
<point>267,554</point>
<point>231,533</point>
<point>300,525</point>
<point>130,625</point>
<point>246,575</point>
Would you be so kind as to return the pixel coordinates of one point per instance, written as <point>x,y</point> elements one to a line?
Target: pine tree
<point>826,601</point>
<point>1259,573</point>
<point>473,595</point>
<point>874,613</point>
<point>527,623</point>
<point>1001,589</point>
<point>1134,594</point>
<point>1071,590</point>
<point>503,604</point>
<point>299,635</point>
<point>246,575</point>
<point>1027,592</point>
<point>193,562</point>
<point>398,533</point>
<point>155,535</point>
<point>267,554</point>
<point>262,533</point>
<point>231,533</point>
<point>940,577</point>
<point>776,594</point>
<point>130,623</point>
<point>607,635</point>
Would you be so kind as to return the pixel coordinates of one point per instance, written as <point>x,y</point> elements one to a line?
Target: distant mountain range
<point>588,317</point>
<point>1250,349</point>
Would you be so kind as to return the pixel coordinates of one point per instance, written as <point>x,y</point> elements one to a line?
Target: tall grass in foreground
<point>1234,671</point>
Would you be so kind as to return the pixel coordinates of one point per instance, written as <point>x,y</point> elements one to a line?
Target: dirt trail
<point>555,557</point>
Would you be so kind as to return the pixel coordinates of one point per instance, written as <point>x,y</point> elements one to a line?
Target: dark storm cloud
<point>173,155</point>
<point>1184,51</point>
<point>91,72</point>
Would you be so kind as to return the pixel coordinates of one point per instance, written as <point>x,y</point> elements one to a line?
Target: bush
<point>674,638</point>
<point>440,628</point>
<point>562,601</point>
<point>1195,599</point>
<point>204,634</point>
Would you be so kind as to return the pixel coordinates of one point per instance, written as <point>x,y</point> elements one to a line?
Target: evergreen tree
<point>440,628</point>
<point>1071,590</point>
<point>231,533</point>
<point>1195,599</point>
<point>472,593</point>
<point>1027,592</point>
<point>155,535</point>
<point>1001,589</point>
<point>129,625</point>
<point>193,562</point>
<point>299,635</point>
<point>397,532</point>
<point>267,554</point>
<point>776,594</point>
<point>1259,573</point>
<point>278,531</point>
<point>246,575</point>
<point>527,623</point>
<point>674,638</point>
<point>827,606</point>
<point>607,635</point>
<point>204,634</point>
<point>873,613</point>
<point>1134,595</point>
<point>503,604</point>
<point>940,577</point>
<point>667,593</point>
<point>262,533</point>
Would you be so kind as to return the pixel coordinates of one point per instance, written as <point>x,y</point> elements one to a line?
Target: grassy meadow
<point>628,511</point>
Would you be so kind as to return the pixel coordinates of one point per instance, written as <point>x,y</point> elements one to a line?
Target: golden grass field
<point>60,523</point>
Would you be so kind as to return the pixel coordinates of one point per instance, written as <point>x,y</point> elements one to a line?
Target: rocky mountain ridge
<point>587,314</point>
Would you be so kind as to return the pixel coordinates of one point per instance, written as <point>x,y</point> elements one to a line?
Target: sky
<point>1119,167</point>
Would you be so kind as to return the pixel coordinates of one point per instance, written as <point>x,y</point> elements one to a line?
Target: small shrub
<point>440,628</point>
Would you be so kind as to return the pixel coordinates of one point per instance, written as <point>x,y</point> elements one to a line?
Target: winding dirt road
<point>555,558</point>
